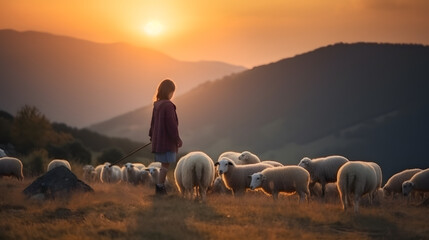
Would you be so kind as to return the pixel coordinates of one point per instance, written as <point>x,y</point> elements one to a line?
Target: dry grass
<point>127,212</point>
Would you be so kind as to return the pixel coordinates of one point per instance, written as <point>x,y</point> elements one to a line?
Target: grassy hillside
<point>127,212</point>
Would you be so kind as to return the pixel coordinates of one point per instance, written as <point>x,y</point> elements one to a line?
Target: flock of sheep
<point>196,174</point>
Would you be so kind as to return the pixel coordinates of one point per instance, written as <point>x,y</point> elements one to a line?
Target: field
<point>128,212</point>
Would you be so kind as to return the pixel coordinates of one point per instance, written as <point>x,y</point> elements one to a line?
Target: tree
<point>31,130</point>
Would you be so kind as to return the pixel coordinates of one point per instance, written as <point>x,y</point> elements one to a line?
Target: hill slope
<point>366,101</point>
<point>80,82</point>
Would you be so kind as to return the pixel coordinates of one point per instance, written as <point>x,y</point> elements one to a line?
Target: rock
<point>59,182</point>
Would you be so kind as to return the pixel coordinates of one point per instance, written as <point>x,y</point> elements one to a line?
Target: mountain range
<point>79,82</point>
<point>365,101</point>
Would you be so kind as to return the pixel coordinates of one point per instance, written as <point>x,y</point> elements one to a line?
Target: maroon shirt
<point>164,131</point>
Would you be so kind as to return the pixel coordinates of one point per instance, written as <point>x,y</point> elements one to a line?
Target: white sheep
<point>97,171</point>
<point>235,176</point>
<point>231,155</point>
<point>357,178</point>
<point>110,174</point>
<point>418,183</point>
<point>155,164</point>
<point>247,157</point>
<point>323,170</point>
<point>219,187</point>
<point>124,174</point>
<point>10,166</point>
<point>133,173</point>
<point>196,171</point>
<point>379,175</point>
<point>287,179</point>
<point>88,173</point>
<point>393,186</point>
<point>154,175</point>
<point>273,163</point>
<point>58,162</point>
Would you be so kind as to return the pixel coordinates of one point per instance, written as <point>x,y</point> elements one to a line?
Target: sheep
<point>419,183</point>
<point>139,166</point>
<point>98,170</point>
<point>231,155</point>
<point>247,157</point>
<point>323,170</point>
<point>379,175</point>
<point>273,163</point>
<point>133,173</point>
<point>88,173</point>
<point>356,177</point>
<point>235,176</point>
<point>196,171</point>
<point>394,184</point>
<point>58,162</point>
<point>124,174</point>
<point>154,173</point>
<point>10,166</point>
<point>219,187</point>
<point>282,179</point>
<point>155,164</point>
<point>110,174</point>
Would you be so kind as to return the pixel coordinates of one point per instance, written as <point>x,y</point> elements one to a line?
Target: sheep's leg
<point>356,202</point>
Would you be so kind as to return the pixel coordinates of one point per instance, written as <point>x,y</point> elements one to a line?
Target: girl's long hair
<point>166,87</point>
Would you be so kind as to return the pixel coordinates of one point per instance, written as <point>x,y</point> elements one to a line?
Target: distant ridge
<point>80,82</point>
<point>366,101</point>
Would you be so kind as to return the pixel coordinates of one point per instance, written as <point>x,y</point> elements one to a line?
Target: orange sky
<point>248,32</point>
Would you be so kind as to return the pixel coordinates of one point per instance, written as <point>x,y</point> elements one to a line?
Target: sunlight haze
<point>247,33</point>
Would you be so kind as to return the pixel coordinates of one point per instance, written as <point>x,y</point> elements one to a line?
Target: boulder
<point>58,182</point>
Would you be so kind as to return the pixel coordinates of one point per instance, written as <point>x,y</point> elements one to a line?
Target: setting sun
<point>153,28</point>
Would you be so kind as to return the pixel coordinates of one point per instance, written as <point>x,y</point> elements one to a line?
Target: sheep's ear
<point>217,163</point>
<point>249,176</point>
<point>230,163</point>
<point>263,178</point>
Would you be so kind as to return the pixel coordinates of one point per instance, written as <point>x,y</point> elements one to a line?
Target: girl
<point>164,132</point>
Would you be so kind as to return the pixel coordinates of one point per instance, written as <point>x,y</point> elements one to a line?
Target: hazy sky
<point>248,33</point>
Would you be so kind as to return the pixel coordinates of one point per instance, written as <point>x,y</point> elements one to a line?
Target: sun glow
<point>153,28</point>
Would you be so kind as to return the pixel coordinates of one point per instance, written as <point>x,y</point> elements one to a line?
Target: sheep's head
<point>257,180</point>
<point>223,164</point>
<point>407,187</point>
<point>129,166</point>
<point>305,163</point>
<point>244,156</point>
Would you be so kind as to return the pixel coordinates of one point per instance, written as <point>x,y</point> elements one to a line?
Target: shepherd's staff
<point>131,153</point>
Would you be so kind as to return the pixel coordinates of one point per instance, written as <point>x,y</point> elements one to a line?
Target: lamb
<point>110,174</point>
<point>323,170</point>
<point>88,173</point>
<point>393,186</point>
<point>419,183</point>
<point>10,166</point>
<point>196,171</point>
<point>287,179</point>
<point>58,162</point>
<point>235,176</point>
<point>356,177</point>
<point>248,158</point>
